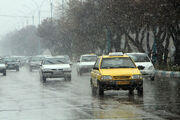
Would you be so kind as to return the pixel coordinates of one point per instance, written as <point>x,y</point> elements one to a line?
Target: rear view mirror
<point>141,67</point>
<point>95,68</point>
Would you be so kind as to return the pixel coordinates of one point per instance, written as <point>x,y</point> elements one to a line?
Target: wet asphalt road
<point>24,97</point>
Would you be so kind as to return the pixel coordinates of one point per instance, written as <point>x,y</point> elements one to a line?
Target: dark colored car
<point>12,63</point>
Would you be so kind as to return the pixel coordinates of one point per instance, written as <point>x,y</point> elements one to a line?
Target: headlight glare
<point>106,77</point>
<point>137,77</point>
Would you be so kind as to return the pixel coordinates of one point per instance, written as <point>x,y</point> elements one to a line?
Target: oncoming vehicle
<point>86,63</point>
<point>115,73</point>
<point>142,59</point>
<point>2,67</point>
<point>12,63</point>
<point>55,67</point>
<point>35,62</point>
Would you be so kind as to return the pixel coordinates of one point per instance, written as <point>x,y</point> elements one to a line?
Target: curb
<point>167,73</point>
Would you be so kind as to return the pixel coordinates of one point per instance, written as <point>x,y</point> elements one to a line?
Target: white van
<point>142,59</point>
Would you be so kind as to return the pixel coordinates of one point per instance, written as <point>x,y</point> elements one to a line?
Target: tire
<point>17,69</point>
<point>153,78</point>
<point>68,78</point>
<point>93,89</point>
<point>44,79</point>
<point>80,73</point>
<point>140,91</point>
<point>131,90</point>
<point>4,73</point>
<point>100,89</point>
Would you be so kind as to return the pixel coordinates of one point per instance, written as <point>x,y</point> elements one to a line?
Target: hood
<point>87,63</point>
<point>120,71</point>
<point>2,65</point>
<point>147,65</point>
<point>13,62</point>
<point>56,66</point>
<point>36,62</point>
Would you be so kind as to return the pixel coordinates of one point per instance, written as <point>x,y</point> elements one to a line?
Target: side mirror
<point>141,67</point>
<point>95,68</point>
<point>78,61</point>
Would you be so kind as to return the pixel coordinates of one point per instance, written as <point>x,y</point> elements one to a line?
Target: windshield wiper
<point>60,61</point>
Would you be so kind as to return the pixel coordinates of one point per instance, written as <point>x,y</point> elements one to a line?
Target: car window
<point>55,61</point>
<point>88,58</point>
<point>139,58</point>
<point>97,63</point>
<point>118,62</point>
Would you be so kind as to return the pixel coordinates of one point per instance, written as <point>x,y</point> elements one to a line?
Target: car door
<point>95,72</point>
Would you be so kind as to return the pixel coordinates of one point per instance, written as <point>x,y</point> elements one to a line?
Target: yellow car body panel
<point>120,72</point>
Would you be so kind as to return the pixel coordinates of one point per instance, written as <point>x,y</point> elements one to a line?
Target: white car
<point>86,63</point>
<point>35,62</point>
<point>2,67</point>
<point>142,59</point>
<point>55,67</point>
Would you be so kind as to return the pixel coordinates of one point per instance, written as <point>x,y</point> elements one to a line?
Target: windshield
<point>139,57</point>
<point>34,59</point>
<point>88,58</point>
<point>118,62</point>
<point>11,60</point>
<point>55,61</point>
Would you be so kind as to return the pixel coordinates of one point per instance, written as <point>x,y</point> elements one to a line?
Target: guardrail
<point>167,73</point>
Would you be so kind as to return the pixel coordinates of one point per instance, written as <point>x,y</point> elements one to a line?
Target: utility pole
<point>63,8</point>
<point>33,19</point>
<point>51,4</point>
<point>39,14</point>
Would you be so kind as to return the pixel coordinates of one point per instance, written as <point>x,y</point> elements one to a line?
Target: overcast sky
<point>13,13</point>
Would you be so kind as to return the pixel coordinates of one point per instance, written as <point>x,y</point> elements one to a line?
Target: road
<point>24,97</point>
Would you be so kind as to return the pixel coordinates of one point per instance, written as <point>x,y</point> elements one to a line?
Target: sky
<point>16,14</point>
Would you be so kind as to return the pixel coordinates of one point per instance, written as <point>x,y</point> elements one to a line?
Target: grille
<point>121,77</point>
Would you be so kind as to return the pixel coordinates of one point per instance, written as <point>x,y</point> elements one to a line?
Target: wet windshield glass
<point>11,60</point>
<point>34,59</point>
<point>118,62</point>
<point>139,58</point>
<point>88,58</point>
<point>55,61</point>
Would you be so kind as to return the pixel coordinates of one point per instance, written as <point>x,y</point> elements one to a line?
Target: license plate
<point>123,82</point>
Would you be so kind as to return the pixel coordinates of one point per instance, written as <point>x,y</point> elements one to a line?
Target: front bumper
<point>121,84</point>
<point>56,74</point>
<point>12,66</point>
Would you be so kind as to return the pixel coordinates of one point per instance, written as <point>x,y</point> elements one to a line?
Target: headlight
<point>46,69</point>
<point>137,77</point>
<point>106,78</point>
<point>151,68</point>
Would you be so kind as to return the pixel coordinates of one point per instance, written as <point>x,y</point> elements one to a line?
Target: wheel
<point>93,89</point>
<point>17,69</point>
<point>152,78</point>
<point>140,90</point>
<point>131,90</point>
<point>68,78</point>
<point>100,89</point>
<point>4,73</point>
<point>44,79</point>
<point>80,73</point>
